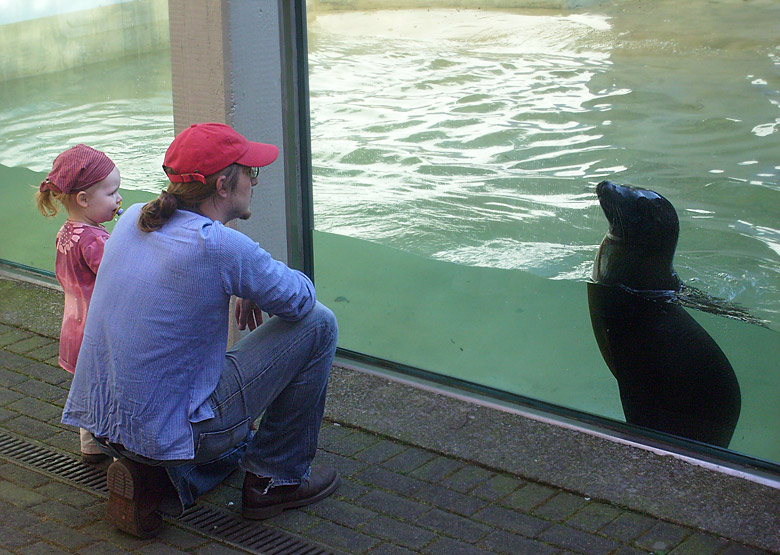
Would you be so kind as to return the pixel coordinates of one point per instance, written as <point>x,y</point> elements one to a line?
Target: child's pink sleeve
<point>93,251</point>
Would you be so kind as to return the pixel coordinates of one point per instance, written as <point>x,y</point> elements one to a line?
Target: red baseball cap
<point>203,149</point>
<point>76,169</point>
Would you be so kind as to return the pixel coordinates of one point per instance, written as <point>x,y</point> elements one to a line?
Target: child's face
<point>104,198</point>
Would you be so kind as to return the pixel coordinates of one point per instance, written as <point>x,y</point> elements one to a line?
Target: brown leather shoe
<point>135,492</point>
<point>259,505</point>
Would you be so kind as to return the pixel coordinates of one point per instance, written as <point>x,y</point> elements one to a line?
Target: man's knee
<point>324,317</point>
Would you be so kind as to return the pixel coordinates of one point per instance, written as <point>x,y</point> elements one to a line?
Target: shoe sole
<point>122,507</point>
<point>263,513</point>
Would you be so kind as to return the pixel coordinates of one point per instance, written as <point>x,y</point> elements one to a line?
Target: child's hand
<point>248,314</point>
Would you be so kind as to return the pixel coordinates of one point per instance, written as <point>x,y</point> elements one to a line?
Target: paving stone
<point>26,345</point>
<point>67,494</point>
<point>662,537</point>
<point>390,549</point>
<point>346,467</point>
<point>14,539</point>
<point>102,548</point>
<point>8,396</point>
<point>353,443</point>
<point>467,478</point>
<point>217,548</point>
<point>330,433</point>
<point>13,361</point>
<point>405,535</point>
<point>41,548</point>
<point>22,476</point>
<point>9,338</point>
<point>497,487</point>
<point>454,526</point>
<point>66,514</point>
<point>513,521</point>
<point>739,549</point>
<point>158,548</point>
<point>46,352</point>
<point>449,500</point>
<point>448,546</point>
<point>437,469</point>
<point>58,534</point>
<point>576,540</point>
<point>560,506</point>
<point>385,479</point>
<point>699,544</point>
<point>627,527</point>
<point>593,516</point>
<point>10,378</point>
<point>19,496</point>
<point>625,550</point>
<point>225,498</point>
<point>529,496</point>
<point>26,426</point>
<point>350,491</point>
<point>105,531</point>
<point>380,451</point>
<point>337,536</point>
<point>41,390</point>
<point>6,415</point>
<point>409,460</point>
<point>294,521</point>
<point>393,505</point>
<point>49,374</point>
<point>12,517</point>
<point>66,440</point>
<point>512,544</point>
<point>341,512</point>
<point>34,408</point>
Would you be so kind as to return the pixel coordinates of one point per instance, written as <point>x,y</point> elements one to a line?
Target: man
<point>154,383</point>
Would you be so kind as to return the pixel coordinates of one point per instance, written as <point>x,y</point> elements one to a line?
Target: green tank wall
<point>60,42</point>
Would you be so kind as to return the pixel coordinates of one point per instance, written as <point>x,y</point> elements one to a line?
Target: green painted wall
<point>60,42</point>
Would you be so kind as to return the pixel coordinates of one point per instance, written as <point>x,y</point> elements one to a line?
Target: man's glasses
<point>252,172</point>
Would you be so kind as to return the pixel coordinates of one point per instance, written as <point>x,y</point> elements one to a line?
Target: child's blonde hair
<point>48,202</point>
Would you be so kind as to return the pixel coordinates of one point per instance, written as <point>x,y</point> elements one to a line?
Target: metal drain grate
<point>246,534</point>
<point>52,462</point>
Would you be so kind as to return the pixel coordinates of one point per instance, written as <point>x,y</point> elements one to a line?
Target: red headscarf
<point>76,169</point>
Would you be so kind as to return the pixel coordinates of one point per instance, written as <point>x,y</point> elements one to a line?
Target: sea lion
<point>673,377</point>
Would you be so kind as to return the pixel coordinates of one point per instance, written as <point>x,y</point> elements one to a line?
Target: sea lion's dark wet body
<point>672,375</point>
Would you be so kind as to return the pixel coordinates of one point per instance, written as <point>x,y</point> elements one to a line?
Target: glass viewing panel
<point>101,76</point>
<point>456,155</point>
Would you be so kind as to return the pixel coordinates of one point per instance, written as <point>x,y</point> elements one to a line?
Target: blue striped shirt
<point>156,331</point>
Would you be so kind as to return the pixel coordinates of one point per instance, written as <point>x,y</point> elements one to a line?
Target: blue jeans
<point>279,370</point>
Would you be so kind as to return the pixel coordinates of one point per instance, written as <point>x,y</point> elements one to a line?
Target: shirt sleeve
<point>92,248</point>
<point>249,272</point>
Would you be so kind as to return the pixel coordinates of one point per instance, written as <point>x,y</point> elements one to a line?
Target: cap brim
<point>258,155</point>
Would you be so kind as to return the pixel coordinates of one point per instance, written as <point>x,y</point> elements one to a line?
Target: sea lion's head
<point>638,215</point>
<point>639,248</point>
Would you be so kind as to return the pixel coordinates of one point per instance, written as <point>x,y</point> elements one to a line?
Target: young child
<point>86,182</point>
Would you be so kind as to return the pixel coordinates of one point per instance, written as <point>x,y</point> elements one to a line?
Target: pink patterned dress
<point>79,252</point>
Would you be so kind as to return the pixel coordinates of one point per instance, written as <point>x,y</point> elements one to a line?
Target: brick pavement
<point>395,498</point>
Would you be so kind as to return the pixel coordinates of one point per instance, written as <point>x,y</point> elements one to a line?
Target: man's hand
<point>248,314</point>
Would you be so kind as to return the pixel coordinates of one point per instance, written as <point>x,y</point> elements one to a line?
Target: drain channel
<point>246,534</point>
